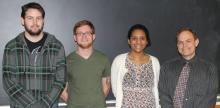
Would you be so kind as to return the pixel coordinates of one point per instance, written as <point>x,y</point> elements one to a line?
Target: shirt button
<point>186,99</point>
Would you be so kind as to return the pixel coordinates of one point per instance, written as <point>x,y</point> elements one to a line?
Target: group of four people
<point>36,72</point>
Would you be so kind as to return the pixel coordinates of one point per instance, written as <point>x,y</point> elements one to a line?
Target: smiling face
<point>84,37</point>
<point>33,22</point>
<point>186,44</point>
<point>138,41</point>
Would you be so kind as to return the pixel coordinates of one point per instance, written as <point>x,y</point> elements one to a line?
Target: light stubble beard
<point>85,46</point>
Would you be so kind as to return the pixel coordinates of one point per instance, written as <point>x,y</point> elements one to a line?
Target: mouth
<point>35,28</point>
<point>138,46</point>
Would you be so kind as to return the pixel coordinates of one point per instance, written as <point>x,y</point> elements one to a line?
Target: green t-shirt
<point>85,80</point>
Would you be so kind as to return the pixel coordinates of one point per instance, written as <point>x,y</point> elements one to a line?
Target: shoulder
<point>206,64</point>
<point>171,62</point>
<point>52,39</point>
<point>70,55</point>
<point>153,58</point>
<point>11,43</point>
<point>121,57</point>
<point>99,53</point>
<point>15,42</point>
<point>100,56</point>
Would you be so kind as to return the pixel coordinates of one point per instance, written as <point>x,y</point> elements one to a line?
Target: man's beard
<point>85,46</point>
<point>33,33</point>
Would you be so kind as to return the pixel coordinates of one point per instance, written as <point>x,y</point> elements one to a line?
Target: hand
<point>64,94</point>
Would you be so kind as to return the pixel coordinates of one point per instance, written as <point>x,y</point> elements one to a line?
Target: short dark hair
<point>140,27</point>
<point>187,29</point>
<point>82,23</point>
<point>32,5</point>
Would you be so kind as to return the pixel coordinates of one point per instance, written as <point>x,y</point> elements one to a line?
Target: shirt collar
<point>192,60</point>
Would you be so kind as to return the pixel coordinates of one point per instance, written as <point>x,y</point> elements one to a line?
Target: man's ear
<point>196,42</point>
<point>93,37</point>
<point>74,38</point>
<point>22,21</point>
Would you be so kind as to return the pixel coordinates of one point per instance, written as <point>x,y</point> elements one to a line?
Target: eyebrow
<point>185,40</point>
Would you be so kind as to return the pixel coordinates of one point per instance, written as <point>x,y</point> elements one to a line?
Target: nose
<point>138,40</point>
<point>184,44</point>
<point>34,21</point>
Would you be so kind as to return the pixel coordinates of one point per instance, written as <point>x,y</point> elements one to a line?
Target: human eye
<point>39,18</point>
<point>179,42</point>
<point>29,18</point>
<point>79,34</point>
<point>133,38</point>
<point>143,38</point>
<point>87,33</point>
<point>188,41</point>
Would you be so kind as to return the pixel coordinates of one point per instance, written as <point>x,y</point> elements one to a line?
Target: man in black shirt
<point>188,81</point>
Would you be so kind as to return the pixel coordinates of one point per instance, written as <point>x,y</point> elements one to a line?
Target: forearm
<point>106,85</point>
<point>64,95</point>
<point>114,75</point>
<point>209,99</point>
<point>16,92</point>
<point>57,87</point>
<point>53,95</point>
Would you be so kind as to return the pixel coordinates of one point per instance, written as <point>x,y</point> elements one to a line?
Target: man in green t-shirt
<point>88,71</point>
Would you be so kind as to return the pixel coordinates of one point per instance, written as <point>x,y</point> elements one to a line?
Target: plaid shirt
<point>37,84</point>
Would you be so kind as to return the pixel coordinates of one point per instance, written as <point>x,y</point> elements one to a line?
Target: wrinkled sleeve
<point>156,67</point>
<point>53,95</point>
<point>114,75</point>
<point>209,99</point>
<point>107,70</point>
<point>165,98</point>
<point>11,85</point>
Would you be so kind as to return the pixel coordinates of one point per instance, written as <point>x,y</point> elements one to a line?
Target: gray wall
<point>112,19</point>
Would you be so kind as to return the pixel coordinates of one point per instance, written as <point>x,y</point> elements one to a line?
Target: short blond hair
<point>82,23</point>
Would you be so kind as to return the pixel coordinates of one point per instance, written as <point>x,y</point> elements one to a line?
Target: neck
<point>85,53</point>
<point>189,57</point>
<point>34,38</point>
<point>138,58</point>
<point>137,55</point>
